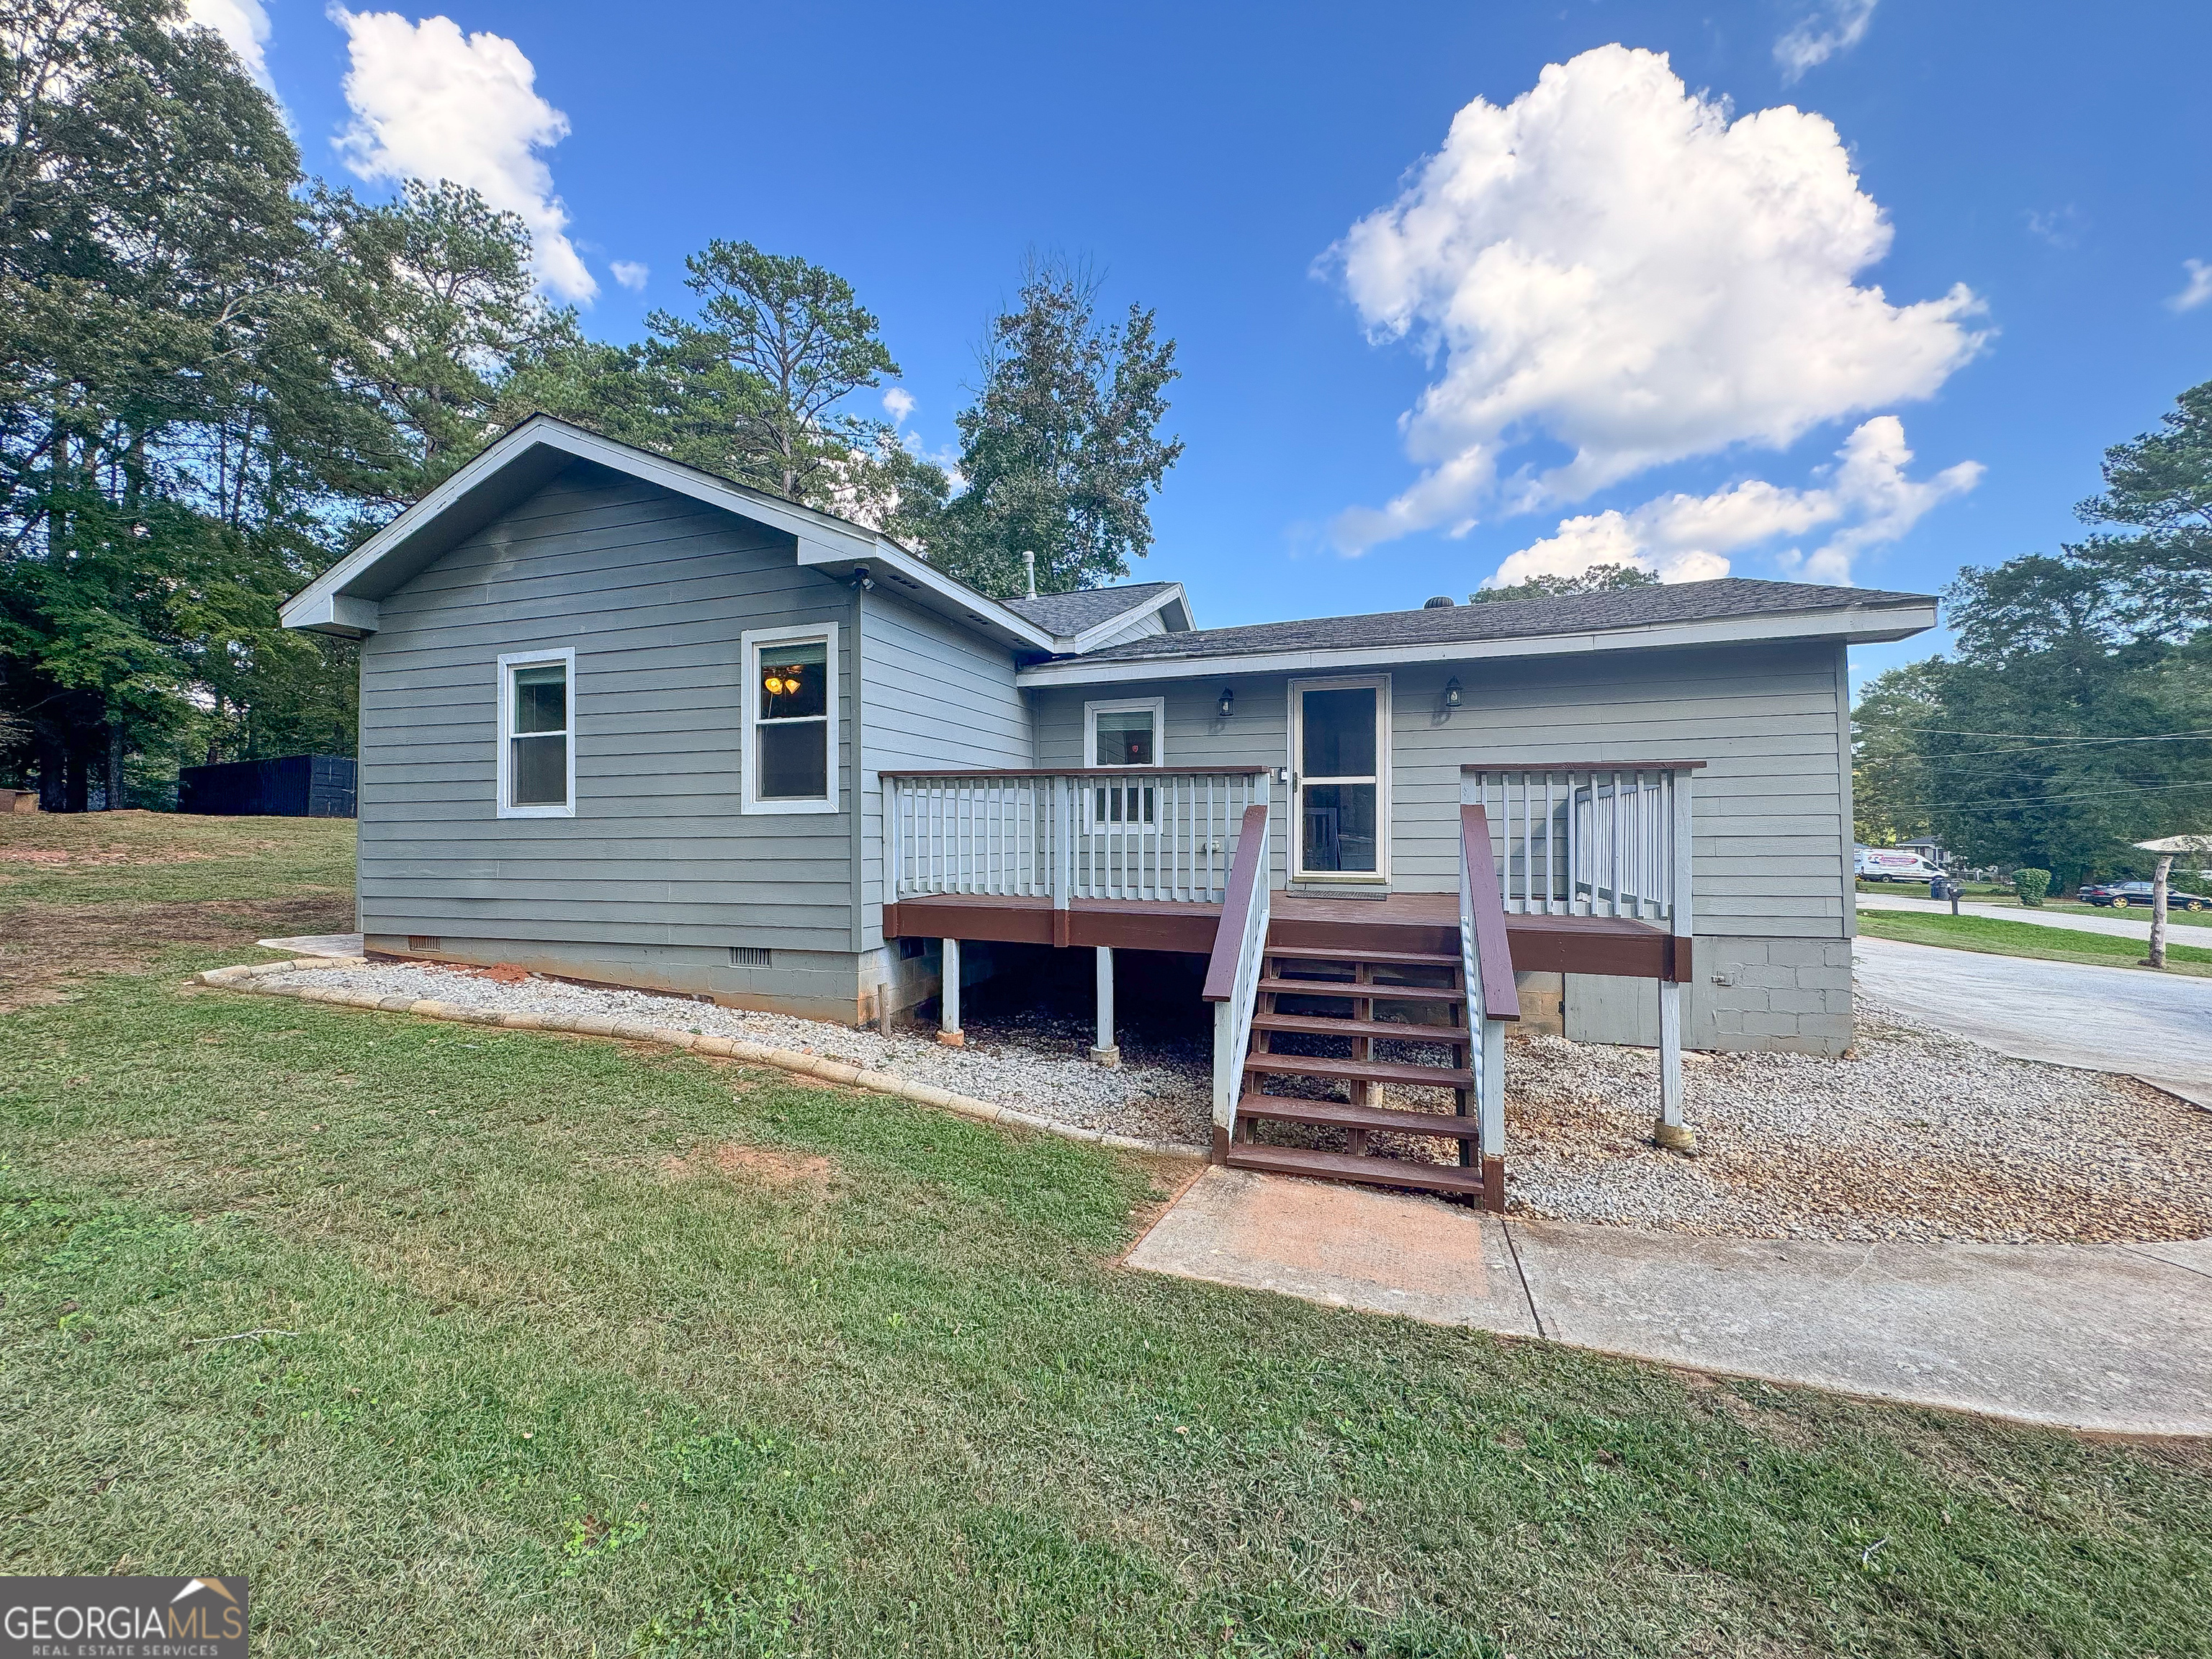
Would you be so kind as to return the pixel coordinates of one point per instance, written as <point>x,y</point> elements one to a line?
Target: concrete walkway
<point>2131,923</point>
<point>2151,1025</point>
<point>2115,1339</point>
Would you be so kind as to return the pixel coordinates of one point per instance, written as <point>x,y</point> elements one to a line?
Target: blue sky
<point>1629,309</point>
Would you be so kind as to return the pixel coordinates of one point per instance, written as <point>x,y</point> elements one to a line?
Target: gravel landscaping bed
<point>1036,1066</point>
<point>1918,1136</point>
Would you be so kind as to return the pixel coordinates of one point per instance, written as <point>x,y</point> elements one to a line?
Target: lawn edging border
<point>248,978</point>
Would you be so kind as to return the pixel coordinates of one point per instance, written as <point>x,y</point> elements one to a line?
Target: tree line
<point>2074,718</point>
<point>220,374</point>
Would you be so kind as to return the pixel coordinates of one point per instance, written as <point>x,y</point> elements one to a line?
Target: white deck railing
<point>1486,964</point>
<point>1233,971</point>
<point>1583,840</point>
<point>1137,833</point>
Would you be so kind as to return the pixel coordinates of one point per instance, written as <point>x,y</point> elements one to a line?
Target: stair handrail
<point>1232,972</point>
<point>1487,970</point>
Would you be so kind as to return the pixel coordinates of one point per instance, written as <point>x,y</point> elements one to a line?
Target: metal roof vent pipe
<point>1442,602</point>
<point>1029,565</point>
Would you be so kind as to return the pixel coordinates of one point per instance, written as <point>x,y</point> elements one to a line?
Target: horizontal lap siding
<point>653,592</point>
<point>1256,732</point>
<point>932,695</point>
<point>1770,825</point>
<point>1772,812</point>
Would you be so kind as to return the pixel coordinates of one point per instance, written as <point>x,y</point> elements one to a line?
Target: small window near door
<point>537,745</point>
<point>1124,734</point>
<point>791,720</point>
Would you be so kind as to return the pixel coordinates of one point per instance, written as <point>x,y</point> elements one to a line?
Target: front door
<point>1340,780</point>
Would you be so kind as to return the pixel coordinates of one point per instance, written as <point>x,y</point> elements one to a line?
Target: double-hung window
<point>1124,734</point>
<point>537,735</point>
<point>791,720</point>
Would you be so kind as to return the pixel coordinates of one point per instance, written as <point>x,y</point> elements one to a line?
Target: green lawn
<point>1997,937</point>
<point>1980,895</point>
<point>595,1350</point>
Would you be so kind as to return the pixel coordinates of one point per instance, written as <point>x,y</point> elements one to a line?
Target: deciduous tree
<point>1060,453</point>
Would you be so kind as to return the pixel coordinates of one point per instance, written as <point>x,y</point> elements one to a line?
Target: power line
<point>1895,757</point>
<point>2043,801</point>
<point>2046,737</point>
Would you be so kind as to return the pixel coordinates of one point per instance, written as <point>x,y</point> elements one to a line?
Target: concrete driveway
<point>2154,1026</point>
<point>2108,1337</point>
<point>2134,924</point>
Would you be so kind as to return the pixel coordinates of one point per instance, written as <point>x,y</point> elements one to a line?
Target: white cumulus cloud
<point>244,26</point>
<point>1611,263</point>
<point>2197,290</point>
<point>1833,26</point>
<point>431,103</point>
<point>631,274</point>
<point>1866,497</point>
<point>898,404</point>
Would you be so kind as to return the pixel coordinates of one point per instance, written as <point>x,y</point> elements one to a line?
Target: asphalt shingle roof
<point>1507,619</point>
<point>1066,615</point>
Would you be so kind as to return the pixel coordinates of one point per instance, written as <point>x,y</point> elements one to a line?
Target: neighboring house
<point>628,721</point>
<point>1928,850</point>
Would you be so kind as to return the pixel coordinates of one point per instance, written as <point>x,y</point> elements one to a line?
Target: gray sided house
<point>626,721</point>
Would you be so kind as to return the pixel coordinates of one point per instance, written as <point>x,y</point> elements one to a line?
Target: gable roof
<point>1676,613</point>
<point>343,601</point>
<point>1088,610</point>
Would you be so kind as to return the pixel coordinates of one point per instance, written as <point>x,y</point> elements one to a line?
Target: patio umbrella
<point>2166,847</point>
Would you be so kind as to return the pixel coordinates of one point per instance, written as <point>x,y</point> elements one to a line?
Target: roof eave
<point>1092,636</point>
<point>527,456</point>
<point>1851,625</point>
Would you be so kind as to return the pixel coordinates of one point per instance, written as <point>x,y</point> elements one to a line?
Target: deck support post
<point>1108,1053</point>
<point>1671,1131</point>
<point>948,998</point>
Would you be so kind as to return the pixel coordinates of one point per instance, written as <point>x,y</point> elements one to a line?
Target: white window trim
<point>566,656</point>
<point>750,643</point>
<point>1093,794</point>
<point>1385,728</point>
<point>1158,707</point>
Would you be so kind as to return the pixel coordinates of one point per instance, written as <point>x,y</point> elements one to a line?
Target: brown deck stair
<point>1361,981</point>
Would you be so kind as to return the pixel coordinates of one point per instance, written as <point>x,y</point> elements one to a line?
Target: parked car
<point>1891,864</point>
<point>2136,896</point>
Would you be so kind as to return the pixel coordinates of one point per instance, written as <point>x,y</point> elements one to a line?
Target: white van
<point>1891,864</point>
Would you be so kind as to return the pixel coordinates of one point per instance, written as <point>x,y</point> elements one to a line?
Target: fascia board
<point>340,614</point>
<point>1853,627</point>
<point>918,582</point>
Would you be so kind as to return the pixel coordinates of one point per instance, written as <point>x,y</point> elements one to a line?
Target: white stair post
<point>1108,1053</point>
<point>948,999</point>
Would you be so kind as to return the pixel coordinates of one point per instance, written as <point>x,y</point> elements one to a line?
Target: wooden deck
<point>1405,922</point>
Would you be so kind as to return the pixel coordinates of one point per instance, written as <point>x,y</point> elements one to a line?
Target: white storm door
<point>1340,780</point>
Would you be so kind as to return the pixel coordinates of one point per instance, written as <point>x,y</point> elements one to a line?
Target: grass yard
<point>1981,896</point>
<point>85,892</point>
<point>590,1350</point>
<point>1994,936</point>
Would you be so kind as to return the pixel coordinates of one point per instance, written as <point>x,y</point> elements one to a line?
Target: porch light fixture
<point>862,581</point>
<point>1228,704</point>
<point>1451,693</point>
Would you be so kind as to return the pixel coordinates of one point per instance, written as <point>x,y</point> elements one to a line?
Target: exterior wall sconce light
<point>1228,704</point>
<point>1452,694</point>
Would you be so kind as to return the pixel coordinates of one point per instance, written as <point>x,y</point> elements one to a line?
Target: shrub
<point>2032,885</point>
